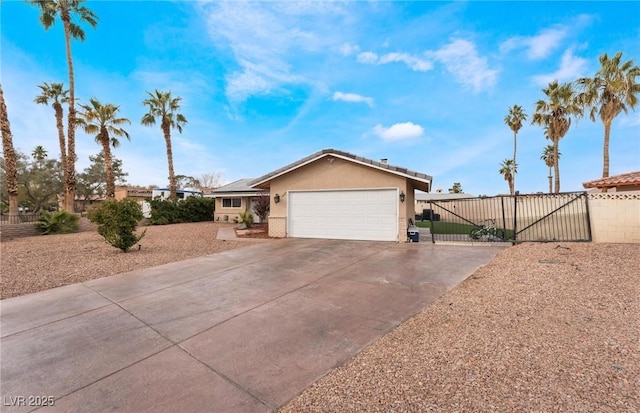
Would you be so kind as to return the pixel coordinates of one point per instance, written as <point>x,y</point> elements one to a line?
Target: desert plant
<point>60,222</point>
<point>246,217</point>
<point>117,222</point>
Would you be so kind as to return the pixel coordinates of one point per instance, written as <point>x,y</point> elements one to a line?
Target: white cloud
<point>571,67</point>
<point>461,59</point>
<point>399,131</point>
<point>414,63</point>
<point>263,38</point>
<point>541,45</point>
<point>352,97</point>
<point>348,49</point>
<point>368,58</point>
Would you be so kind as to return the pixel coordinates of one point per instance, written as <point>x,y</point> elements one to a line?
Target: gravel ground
<point>542,328</point>
<point>38,263</point>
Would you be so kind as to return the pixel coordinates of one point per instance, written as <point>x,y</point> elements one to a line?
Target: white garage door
<point>347,214</point>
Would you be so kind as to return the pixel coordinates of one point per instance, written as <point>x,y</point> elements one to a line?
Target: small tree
<point>117,222</point>
<point>456,189</point>
<point>261,206</point>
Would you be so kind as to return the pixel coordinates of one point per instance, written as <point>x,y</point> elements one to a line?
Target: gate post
<point>515,216</point>
<point>433,239</point>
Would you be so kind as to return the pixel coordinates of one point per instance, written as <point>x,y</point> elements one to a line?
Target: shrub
<point>60,222</point>
<point>246,218</point>
<point>196,209</point>
<point>117,222</point>
<point>191,209</point>
<point>163,211</point>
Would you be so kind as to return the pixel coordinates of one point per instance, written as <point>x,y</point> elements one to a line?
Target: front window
<point>231,202</point>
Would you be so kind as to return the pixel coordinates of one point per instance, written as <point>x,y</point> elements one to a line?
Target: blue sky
<point>424,84</point>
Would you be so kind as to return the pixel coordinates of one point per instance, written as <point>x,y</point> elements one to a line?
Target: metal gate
<point>518,218</point>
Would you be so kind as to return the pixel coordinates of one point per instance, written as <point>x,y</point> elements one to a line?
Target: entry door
<point>370,215</point>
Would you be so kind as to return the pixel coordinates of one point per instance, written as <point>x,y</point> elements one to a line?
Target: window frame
<point>231,202</point>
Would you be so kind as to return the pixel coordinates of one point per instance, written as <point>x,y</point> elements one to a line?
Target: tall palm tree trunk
<point>9,156</point>
<point>108,164</point>
<point>556,165</point>
<point>605,163</point>
<point>550,180</point>
<point>172,177</point>
<point>515,142</point>
<point>61,139</point>
<point>70,165</point>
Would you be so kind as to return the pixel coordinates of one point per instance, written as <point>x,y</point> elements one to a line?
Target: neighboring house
<point>138,194</point>
<point>423,199</point>
<point>163,193</point>
<point>618,183</point>
<point>235,198</point>
<point>338,195</point>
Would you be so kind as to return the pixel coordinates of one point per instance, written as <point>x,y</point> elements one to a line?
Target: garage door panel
<point>345,214</point>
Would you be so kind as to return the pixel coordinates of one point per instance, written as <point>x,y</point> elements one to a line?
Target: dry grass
<point>38,263</point>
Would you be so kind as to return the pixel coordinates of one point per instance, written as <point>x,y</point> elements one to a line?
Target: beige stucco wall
<point>338,174</point>
<point>230,213</point>
<point>615,217</point>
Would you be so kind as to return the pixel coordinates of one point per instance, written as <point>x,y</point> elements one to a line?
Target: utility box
<point>413,234</point>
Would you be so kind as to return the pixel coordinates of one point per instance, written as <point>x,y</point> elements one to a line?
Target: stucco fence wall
<point>615,217</point>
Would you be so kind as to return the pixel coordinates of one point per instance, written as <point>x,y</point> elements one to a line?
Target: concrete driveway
<point>241,331</point>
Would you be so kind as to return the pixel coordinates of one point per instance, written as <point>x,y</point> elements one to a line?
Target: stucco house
<point>338,195</point>
<point>629,181</point>
<point>235,198</point>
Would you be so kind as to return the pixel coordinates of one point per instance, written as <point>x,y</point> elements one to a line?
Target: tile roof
<point>325,152</point>
<point>628,179</point>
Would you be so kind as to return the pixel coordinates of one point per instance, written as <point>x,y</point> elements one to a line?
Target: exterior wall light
<point>402,196</point>
<point>276,198</point>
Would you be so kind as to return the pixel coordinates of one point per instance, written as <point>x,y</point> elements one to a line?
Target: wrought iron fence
<point>530,217</point>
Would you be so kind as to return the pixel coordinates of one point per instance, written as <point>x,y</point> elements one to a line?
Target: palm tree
<point>39,153</point>
<point>66,9</point>
<point>9,157</point>
<point>101,120</point>
<point>57,95</point>
<point>514,120</point>
<point>555,115</point>
<point>549,159</point>
<point>612,90</point>
<point>508,169</point>
<point>164,107</point>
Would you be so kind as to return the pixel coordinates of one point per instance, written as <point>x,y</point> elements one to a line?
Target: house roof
<point>404,172</point>
<point>627,179</point>
<point>237,188</point>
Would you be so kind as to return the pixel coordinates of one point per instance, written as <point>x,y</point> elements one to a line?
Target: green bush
<point>191,209</point>
<point>60,222</point>
<point>246,218</point>
<point>117,222</point>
